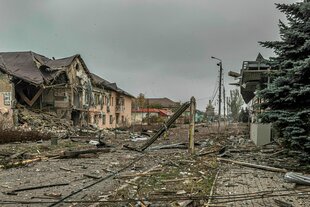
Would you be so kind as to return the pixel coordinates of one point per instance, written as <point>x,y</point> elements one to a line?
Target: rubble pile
<point>19,135</point>
<point>44,122</point>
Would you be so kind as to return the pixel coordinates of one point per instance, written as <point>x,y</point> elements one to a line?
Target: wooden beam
<point>34,98</point>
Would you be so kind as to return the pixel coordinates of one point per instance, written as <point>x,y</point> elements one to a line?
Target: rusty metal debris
<point>297,178</point>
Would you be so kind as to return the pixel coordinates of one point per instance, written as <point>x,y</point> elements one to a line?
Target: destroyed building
<point>62,86</point>
<point>255,75</point>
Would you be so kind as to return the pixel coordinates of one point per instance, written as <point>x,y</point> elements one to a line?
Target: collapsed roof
<point>23,65</point>
<point>34,68</point>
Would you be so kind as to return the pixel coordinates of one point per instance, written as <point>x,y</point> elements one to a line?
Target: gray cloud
<point>158,47</point>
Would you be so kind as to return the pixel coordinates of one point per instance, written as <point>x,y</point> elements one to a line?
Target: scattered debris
<point>136,138</point>
<point>179,179</point>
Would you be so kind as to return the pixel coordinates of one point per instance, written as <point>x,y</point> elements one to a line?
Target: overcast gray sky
<point>158,47</point>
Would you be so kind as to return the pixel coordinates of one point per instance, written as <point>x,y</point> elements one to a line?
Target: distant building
<point>210,114</point>
<point>166,103</point>
<point>141,115</point>
<point>162,103</point>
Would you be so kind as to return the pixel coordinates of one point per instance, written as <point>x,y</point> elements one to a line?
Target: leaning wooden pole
<point>191,134</point>
<point>165,127</point>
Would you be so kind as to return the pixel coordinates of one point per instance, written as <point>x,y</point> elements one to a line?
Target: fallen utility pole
<point>164,127</point>
<point>262,167</point>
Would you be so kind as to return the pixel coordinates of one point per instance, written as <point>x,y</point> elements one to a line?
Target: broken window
<point>103,119</point>
<point>7,98</point>
<point>109,100</point>
<point>101,101</point>
<point>111,119</point>
<point>77,67</point>
<point>117,118</point>
<point>96,119</point>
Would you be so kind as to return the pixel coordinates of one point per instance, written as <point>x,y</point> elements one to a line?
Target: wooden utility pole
<point>148,111</point>
<point>220,93</point>
<point>191,133</point>
<point>227,108</point>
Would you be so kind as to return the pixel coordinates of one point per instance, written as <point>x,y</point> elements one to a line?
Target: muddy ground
<point>122,177</point>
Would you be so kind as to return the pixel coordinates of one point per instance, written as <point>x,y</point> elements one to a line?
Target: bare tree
<point>235,104</point>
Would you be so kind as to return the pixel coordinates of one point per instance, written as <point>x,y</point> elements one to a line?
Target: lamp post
<point>220,89</point>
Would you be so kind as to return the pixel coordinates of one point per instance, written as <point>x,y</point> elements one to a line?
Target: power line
<point>219,198</point>
<point>100,180</point>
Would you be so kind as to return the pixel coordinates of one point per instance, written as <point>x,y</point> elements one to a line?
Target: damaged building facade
<point>255,75</point>
<point>63,86</point>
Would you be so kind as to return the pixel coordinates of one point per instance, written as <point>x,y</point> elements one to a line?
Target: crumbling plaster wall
<point>75,95</point>
<point>97,108</point>
<point>79,79</point>
<point>109,109</point>
<point>127,110</point>
<point>6,101</point>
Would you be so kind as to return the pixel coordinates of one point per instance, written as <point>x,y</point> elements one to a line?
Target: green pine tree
<point>287,99</point>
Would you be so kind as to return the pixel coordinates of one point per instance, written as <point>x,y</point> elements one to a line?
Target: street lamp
<point>220,88</point>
